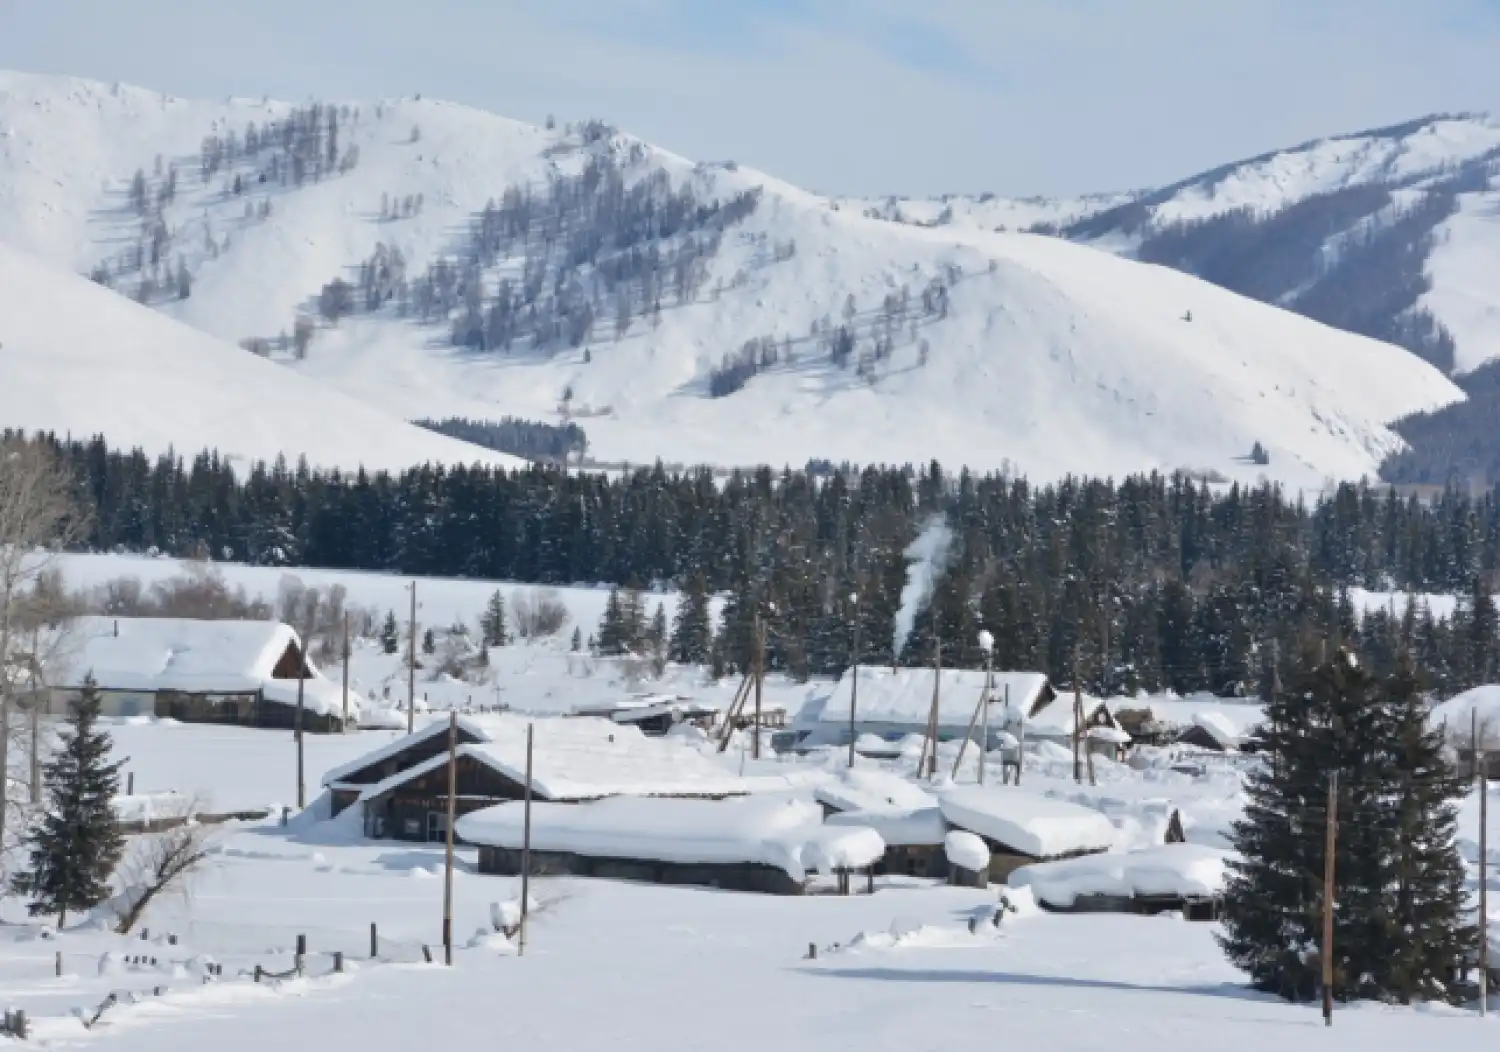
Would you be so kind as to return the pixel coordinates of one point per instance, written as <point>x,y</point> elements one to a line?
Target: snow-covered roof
<point>1055,719</point>
<point>194,656</point>
<point>781,831</point>
<point>1218,727</point>
<point>1033,825</point>
<point>963,848</point>
<point>903,696</point>
<point>920,826</point>
<point>580,758</point>
<point>1457,713</point>
<point>1186,870</point>
<point>1182,712</point>
<point>870,789</point>
<point>432,729</point>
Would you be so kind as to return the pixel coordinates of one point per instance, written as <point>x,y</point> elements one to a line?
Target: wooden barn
<point>402,787</point>
<point>196,671</point>
<point>769,844</point>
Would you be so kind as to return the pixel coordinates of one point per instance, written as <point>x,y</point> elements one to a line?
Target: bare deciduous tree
<point>538,613</point>
<point>38,515</point>
<point>159,863</point>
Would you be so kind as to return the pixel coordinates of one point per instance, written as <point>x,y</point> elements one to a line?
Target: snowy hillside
<point>623,287</point>
<point>1364,231</point>
<point>77,359</point>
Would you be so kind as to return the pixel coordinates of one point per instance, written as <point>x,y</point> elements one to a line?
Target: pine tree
<point>656,639</point>
<point>692,635</point>
<point>390,634</point>
<point>1399,932</point>
<point>613,631</point>
<point>1427,918</point>
<point>429,642</point>
<point>75,846</point>
<point>492,622</point>
<point>577,643</point>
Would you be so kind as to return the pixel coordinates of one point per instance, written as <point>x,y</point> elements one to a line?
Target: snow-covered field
<point>1051,358</point>
<point>655,967</point>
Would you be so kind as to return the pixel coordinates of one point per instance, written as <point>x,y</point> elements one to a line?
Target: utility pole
<point>1482,784</point>
<point>526,851</point>
<point>301,680</point>
<point>346,672</point>
<point>411,665</point>
<point>448,859</point>
<point>854,674</point>
<point>932,716</point>
<point>36,722</point>
<point>989,683</point>
<point>1077,719</point>
<point>760,672</point>
<point>1329,850</point>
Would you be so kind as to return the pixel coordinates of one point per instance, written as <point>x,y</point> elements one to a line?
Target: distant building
<point>236,672</point>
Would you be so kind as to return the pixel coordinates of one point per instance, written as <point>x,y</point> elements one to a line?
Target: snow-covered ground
<point>1051,358</point>
<point>656,967</point>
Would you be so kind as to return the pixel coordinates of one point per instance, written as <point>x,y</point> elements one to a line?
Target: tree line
<point>1149,582</point>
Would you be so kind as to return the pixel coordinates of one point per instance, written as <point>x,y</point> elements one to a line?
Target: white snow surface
<point>1188,870</point>
<point>872,789</point>
<point>772,831</point>
<point>1034,825</point>
<point>79,360</point>
<point>963,848</point>
<point>1053,357</point>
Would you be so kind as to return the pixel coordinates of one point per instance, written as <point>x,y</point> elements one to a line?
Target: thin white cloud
<point>855,96</point>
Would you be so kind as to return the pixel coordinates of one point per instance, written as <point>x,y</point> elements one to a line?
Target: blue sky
<point>851,96</point>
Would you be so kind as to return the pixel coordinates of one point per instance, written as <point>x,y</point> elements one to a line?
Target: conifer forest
<point>1151,582</point>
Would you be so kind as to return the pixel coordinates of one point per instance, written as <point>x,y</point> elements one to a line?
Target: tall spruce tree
<point>76,844</point>
<point>1428,917</point>
<point>692,635</point>
<point>390,634</point>
<point>613,630</point>
<point>492,621</point>
<point>1398,926</point>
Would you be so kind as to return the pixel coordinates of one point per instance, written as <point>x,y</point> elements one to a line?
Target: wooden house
<point>196,671</point>
<point>402,787</point>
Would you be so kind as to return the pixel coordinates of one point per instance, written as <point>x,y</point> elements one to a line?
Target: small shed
<point>905,815</point>
<point>1188,878</point>
<point>1021,827</point>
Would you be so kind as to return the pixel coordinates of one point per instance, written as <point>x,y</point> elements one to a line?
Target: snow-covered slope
<point>1047,356</point>
<point>78,359</point>
<point>1454,156</point>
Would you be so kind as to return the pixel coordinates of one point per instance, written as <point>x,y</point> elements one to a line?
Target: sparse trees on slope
<point>492,622</point>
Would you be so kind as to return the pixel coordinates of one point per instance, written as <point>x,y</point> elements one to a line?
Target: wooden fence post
<point>301,951</point>
<point>59,964</point>
<point>338,961</point>
<point>374,942</point>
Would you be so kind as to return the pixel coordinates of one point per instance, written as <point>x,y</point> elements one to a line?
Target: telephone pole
<point>1329,850</point>
<point>1482,784</point>
<point>301,680</point>
<point>411,665</point>
<point>760,673</point>
<point>526,850</point>
<point>1077,720</point>
<point>854,676</point>
<point>346,672</point>
<point>448,857</point>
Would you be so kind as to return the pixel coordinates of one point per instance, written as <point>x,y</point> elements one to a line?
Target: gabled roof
<point>469,732</point>
<point>903,696</point>
<point>573,758</point>
<point>1054,715</point>
<point>194,656</point>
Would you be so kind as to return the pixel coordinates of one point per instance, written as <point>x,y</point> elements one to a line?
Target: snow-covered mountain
<point>78,360</point>
<point>1394,232</point>
<point>685,311</point>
